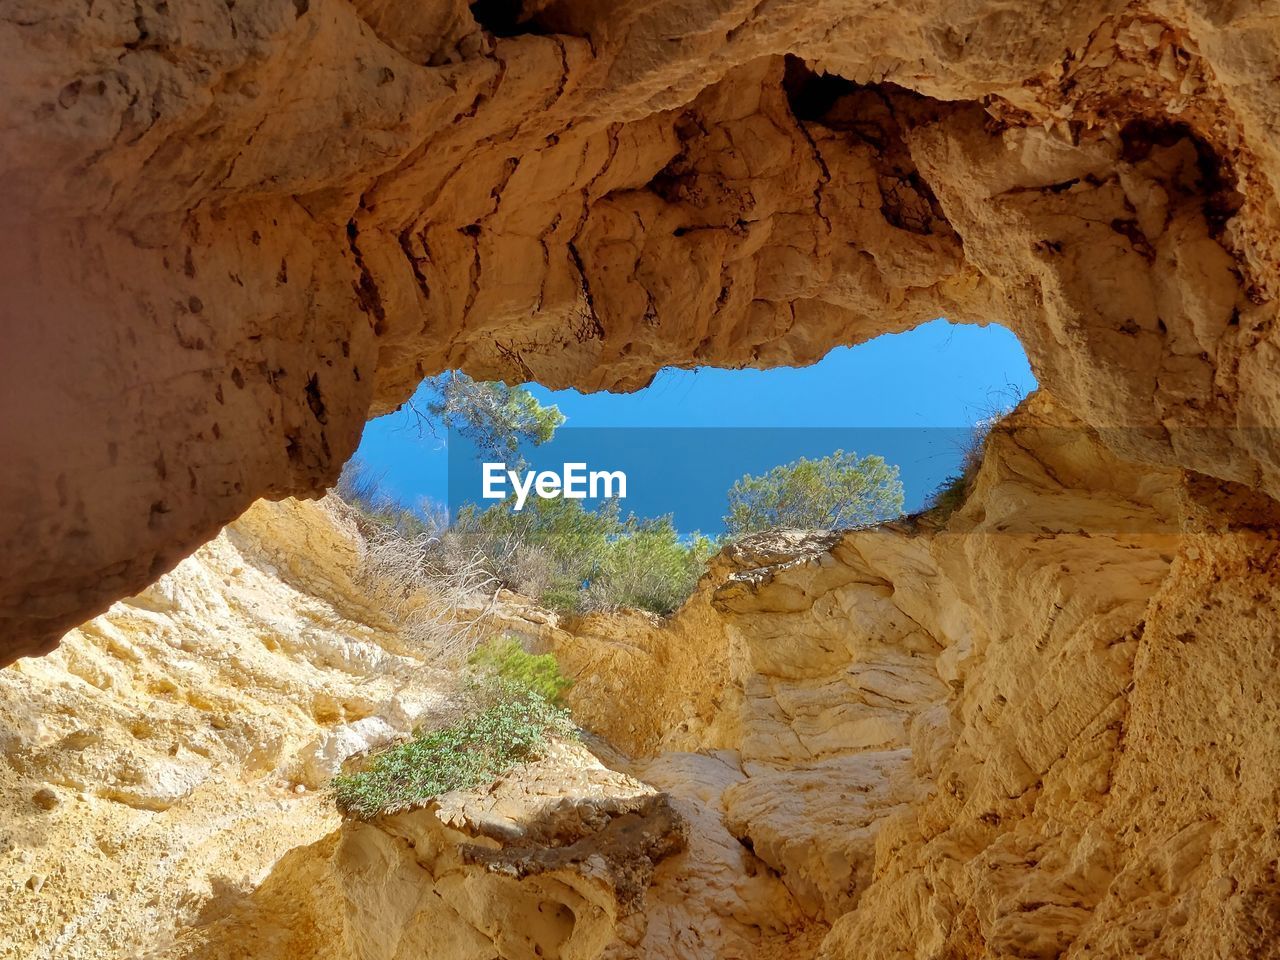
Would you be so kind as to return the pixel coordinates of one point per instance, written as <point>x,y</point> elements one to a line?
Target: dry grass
<point>442,604</point>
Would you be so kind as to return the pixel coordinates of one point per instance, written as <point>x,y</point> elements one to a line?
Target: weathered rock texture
<point>1044,728</point>
<point>1030,733</point>
<point>163,775</point>
<point>1103,773</point>
<point>164,759</point>
<point>547,863</point>
<point>237,230</point>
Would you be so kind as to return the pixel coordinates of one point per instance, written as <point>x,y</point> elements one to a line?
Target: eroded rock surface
<point>163,760</point>
<point>238,231</point>
<point>553,861</point>
<point>1040,728</point>
<point>1049,743</point>
<point>165,771</point>
<point>562,857</point>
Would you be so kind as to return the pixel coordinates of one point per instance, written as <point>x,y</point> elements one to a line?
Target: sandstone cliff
<point>165,758</point>
<point>1040,728</point>
<point>1030,733</point>
<point>164,772</point>
<point>238,230</point>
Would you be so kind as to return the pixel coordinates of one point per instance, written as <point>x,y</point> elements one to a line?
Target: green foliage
<point>495,417</point>
<point>954,490</point>
<point>649,567</point>
<point>573,540</point>
<point>949,497</point>
<point>506,659</point>
<point>509,724</point>
<point>574,559</point>
<point>566,597</point>
<point>952,493</point>
<point>834,492</point>
<point>570,558</point>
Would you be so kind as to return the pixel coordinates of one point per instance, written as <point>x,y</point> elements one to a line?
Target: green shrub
<point>951,494</point>
<point>363,489</point>
<point>830,493</point>
<point>550,546</point>
<point>949,497</point>
<point>574,559</point>
<point>509,724</point>
<point>649,568</point>
<point>567,598</point>
<point>506,659</point>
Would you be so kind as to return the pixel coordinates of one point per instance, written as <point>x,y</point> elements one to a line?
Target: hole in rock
<point>1215,179</point>
<point>811,94</point>
<point>503,18</point>
<point>872,115</point>
<point>913,398</point>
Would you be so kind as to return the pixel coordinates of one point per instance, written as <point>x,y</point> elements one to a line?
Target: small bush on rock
<point>509,723</point>
<point>954,490</point>
<point>830,493</point>
<point>574,559</point>
<point>506,659</point>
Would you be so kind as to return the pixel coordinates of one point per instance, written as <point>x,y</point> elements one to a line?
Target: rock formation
<point>166,757</point>
<point>1041,728</point>
<point>1029,733</point>
<point>164,773</point>
<point>239,230</point>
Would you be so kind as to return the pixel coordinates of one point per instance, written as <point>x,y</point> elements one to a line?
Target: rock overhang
<point>244,233</point>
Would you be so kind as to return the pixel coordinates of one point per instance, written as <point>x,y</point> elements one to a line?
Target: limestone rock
<point>1035,728</point>
<point>148,765</point>
<point>816,825</point>
<point>1057,769</point>
<point>549,862</point>
<point>239,231</point>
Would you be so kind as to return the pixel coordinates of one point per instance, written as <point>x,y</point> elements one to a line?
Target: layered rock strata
<point>239,231</point>
<point>172,751</point>
<point>1037,728</point>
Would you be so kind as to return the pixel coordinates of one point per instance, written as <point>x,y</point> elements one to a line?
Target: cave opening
<point>812,94</point>
<point>1021,700</point>
<point>503,18</point>
<point>917,394</point>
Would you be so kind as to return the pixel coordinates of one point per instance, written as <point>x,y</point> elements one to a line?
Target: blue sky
<point>928,385</point>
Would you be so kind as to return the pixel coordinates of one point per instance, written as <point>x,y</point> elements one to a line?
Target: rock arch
<point>236,232</point>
